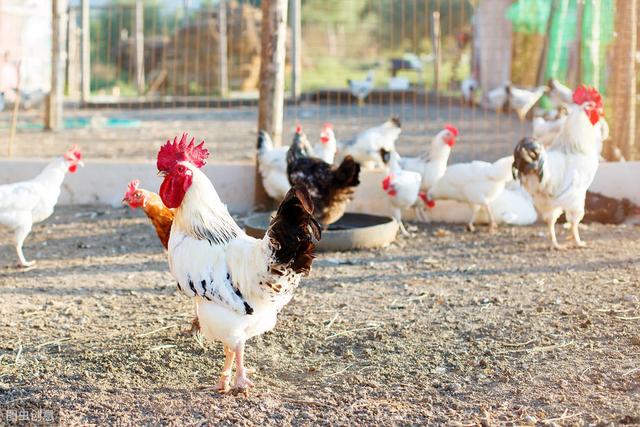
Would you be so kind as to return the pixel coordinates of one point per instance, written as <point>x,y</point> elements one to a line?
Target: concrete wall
<point>104,181</point>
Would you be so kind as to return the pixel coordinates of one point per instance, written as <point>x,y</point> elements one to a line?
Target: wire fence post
<point>139,46</point>
<point>223,64</point>
<point>86,52</point>
<point>296,46</point>
<point>436,50</point>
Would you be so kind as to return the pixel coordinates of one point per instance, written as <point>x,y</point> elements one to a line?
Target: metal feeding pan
<point>352,231</point>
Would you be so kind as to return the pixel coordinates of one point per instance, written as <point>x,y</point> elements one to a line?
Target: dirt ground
<point>231,133</point>
<point>445,327</point>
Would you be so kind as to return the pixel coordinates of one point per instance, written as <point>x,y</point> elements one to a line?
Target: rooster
<point>558,179</point>
<point>23,204</point>
<point>432,164</point>
<point>402,187</point>
<point>365,147</point>
<point>272,161</point>
<point>477,184</point>
<point>239,283</point>
<point>161,217</point>
<point>330,187</point>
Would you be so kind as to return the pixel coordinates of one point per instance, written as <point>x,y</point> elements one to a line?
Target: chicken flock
<point>239,283</point>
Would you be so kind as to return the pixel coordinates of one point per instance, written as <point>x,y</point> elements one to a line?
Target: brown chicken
<point>161,217</point>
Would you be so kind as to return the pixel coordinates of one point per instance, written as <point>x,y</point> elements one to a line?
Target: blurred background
<point>130,73</point>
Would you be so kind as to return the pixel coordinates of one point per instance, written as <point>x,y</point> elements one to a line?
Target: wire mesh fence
<point>361,62</point>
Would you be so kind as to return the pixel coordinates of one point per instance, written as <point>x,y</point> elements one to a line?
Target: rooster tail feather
<point>294,231</point>
<point>347,174</point>
<point>528,158</point>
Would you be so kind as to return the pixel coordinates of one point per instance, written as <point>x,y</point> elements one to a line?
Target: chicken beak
<point>80,163</point>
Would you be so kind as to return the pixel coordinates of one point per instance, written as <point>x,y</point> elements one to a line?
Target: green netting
<point>532,16</point>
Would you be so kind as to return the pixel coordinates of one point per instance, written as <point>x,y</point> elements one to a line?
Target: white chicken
<point>523,100</point>
<point>23,204</point>
<point>432,164</point>
<point>560,95</point>
<point>239,283</point>
<point>402,187</point>
<point>558,179</point>
<point>272,162</point>
<point>326,149</point>
<point>469,87</point>
<point>545,130</point>
<point>365,147</point>
<point>477,184</point>
<point>361,88</point>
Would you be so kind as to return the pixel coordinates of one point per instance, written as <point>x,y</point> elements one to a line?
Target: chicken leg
<point>19,236</point>
<point>576,235</point>
<point>397,214</point>
<point>493,226</point>
<point>242,374</point>
<point>474,212</point>
<point>225,377</point>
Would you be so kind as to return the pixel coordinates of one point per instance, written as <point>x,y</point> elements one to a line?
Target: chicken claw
<point>243,383</point>
<point>224,384</point>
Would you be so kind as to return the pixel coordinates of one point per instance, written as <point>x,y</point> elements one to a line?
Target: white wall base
<point>105,181</point>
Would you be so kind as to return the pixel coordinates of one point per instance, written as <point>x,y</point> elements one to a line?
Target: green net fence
<point>558,20</point>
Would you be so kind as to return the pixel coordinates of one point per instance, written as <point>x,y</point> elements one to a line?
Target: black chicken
<point>331,187</point>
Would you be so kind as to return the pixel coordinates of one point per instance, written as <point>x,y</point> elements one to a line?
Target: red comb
<point>179,151</point>
<point>327,126</point>
<point>132,187</point>
<point>584,94</point>
<point>73,153</point>
<point>452,129</point>
<point>386,182</point>
<point>298,128</point>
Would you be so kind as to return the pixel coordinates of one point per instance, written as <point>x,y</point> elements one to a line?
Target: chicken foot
<point>20,235</point>
<point>243,383</point>
<point>225,377</point>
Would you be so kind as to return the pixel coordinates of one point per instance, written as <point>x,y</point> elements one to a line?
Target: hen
<point>402,187</point>
<point>558,179</point>
<point>239,283</point>
<point>272,161</point>
<point>476,183</point>
<point>23,204</point>
<point>365,147</point>
<point>432,164</point>
<point>331,187</point>
<point>361,88</point>
<point>161,216</point>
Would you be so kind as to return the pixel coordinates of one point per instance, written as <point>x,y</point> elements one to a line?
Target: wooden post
<point>73,60</point>
<point>436,50</point>
<point>139,46</point>
<point>576,71</point>
<point>274,35</point>
<point>223,70</point>
<point>53,119</point>
<point>296,49</point>
<point>622,90</point>
<point>271,103</point>
<point>85,52</point>
<point>492,43</point>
